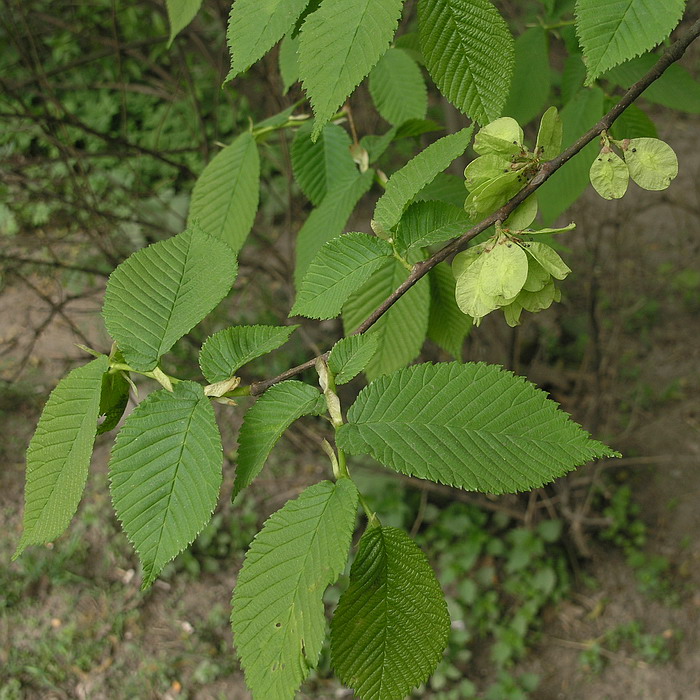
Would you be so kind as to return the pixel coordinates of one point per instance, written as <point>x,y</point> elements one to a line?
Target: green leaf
<point>350,356</point>
<point>397,87</point>
<point>161,292</point>
<point>448,326</point>
<point>225,352</point>
<point>278,617</point>
<point>529,89</point>
<point>391,625</point>
<point>225,196</point>
<point>376,145</point>
<point>485,168</point>
<point>59,454</point>
<point>339,269</point>
<point>319,165</point>
<point>265,422</point>
<point>523,215</point>
<point>548,258</point>
<point>633,123</point>
<point>339,45</point>
<point>676,88</point>
<point>475,426</point>
<point>165,474</point>
<point>568,183</point>
<point>114,397</point>
<point>469,53</point>
<point>573,76</point>
<point>406,183</point>
<point>609,175</point>
<point>427,223</point>
<point>502,137</point>
<point>470,295</point>
<point>401,330</point>
<point>255,26</point>
<point>613,32</point>
<point>288,62</point>
<point>180,14</point>
<point>444,188</point>
<point>549,134</point>
<point>492,195</point>
<point>652,163</point>
<point>328,220</point>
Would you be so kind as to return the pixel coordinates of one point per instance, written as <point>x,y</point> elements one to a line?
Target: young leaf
<point>322,164</point>
<point>114,397</point>
<point>350,356</point>
<point>571,180</point>
<point>288,62</point>
<point>548,258</point>
<point>529,89</point>
<point>493,194</point>
<point>59,454</point>
<point>225,196</point>
<point>180,14</point>
<point>611,33</point>
<point>339,45</point>
<point>427,223</point>
<point>254,27</point>
<point>485,168</point>
<point>652,163</point>
<point>397,87</point>
<point>161,292</point>
<point>328,220</point>
<point>523,215</point>
<point>475,426</point>
<point>401,331</point>
<point>278,617</point>
<point>404,184</point>
<point>469,52</point>
<point>469,291</point>
<point>675,89</point>
<point>165,473</point>
<point>225,352</point>
<point>391,624</point>
<point>505,270</point>
<point>265,422</point>
<point>609,175</point>
<point>447,326</point>
<point>502,137</point>
<point>340,268</point>
<point>549,135</point>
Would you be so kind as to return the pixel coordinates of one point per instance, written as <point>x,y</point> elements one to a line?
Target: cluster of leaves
<point>468,425</point>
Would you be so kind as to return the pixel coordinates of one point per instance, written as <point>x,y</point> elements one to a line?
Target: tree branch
<point>546,170</point>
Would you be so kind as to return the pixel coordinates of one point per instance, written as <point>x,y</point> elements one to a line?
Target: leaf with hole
<point>59,454</point>
<point>391,624</point>
<point>471,425</point>
<point>278,617</point>
<point>165,473</point>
